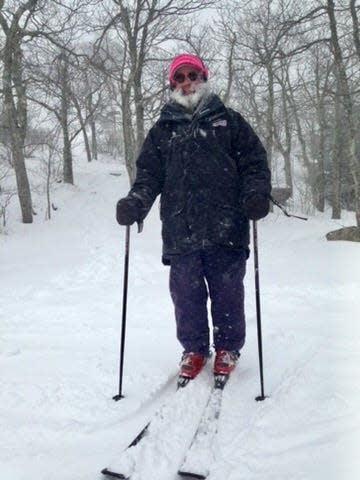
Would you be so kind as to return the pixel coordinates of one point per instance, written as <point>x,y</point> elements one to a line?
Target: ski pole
<point>261,397</point>
<point>119,396</point>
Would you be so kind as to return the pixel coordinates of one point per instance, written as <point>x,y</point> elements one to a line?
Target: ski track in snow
<point>60,309</point>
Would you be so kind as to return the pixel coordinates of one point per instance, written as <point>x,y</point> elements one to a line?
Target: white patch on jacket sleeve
<point>220,123</point>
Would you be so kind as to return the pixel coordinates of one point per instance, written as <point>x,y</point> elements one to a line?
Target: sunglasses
<point>180,77</point>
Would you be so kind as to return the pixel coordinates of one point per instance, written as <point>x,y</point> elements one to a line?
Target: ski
<point>196,465</point>
<point>124,465</point>
<point>108,472</point>
<point>181,383</point>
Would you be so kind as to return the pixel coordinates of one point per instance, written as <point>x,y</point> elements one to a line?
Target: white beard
<point>190,101</point>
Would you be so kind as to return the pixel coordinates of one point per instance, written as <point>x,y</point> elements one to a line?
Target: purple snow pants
<point>214,273</point>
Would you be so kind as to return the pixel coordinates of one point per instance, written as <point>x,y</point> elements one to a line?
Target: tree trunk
<point>87,143</point>
<point>15,106</point>
<point>355,22</point>
<point>311,169</point>
<point>269,139</point>
<point>65,101</point>
<point>336,161</point>
<point>320,181</point>
<point>323,128</point>
<point>230,67</point>
<point>139,111</point>
<point>22,181</point>
<point>94,147</point>
<point>129,138</point>
<point>68,173</point>
<point>286,152</point>
<point>92,123</point>
<point>345,96</point>
<point>48,185</point>
<point>83,128</point>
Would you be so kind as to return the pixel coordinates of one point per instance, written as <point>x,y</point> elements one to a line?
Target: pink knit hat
<point>186,59</point>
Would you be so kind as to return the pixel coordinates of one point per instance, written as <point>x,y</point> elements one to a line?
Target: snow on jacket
<point>203,166</point>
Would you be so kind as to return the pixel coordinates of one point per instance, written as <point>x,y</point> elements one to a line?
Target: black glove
<point>256,206</point>
<point>127,211</point>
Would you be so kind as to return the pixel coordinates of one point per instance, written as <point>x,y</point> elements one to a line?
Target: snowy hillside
<point>60,309</point>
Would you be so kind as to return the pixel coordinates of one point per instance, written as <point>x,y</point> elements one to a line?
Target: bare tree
<point>63,116</point>
<point>15,102</point>
<point>142,28</point>
<point>283,131</point>
<point>255,36</point>
<point>50,169</point>
<point>321,67</point>
<point>87,94</point>
<point>355,22</point>
<point>20,23</point>
<point>50,87</point>
<point>344,95</point>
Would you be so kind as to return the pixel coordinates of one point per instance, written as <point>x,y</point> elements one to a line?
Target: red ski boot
<point>190,366</point>
<point>225,362</point>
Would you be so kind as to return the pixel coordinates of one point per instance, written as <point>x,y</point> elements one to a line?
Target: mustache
<point>192,99</point>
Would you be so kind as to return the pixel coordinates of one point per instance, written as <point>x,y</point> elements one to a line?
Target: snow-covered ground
<point>61,295</point>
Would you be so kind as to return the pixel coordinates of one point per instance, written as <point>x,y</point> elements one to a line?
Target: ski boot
<point>190,366</point>
<point>224,364</point>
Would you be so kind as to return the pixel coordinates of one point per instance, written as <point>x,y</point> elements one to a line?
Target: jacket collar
<point>175,112</point>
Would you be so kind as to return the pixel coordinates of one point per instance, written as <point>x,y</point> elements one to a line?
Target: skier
<point>210,170</point>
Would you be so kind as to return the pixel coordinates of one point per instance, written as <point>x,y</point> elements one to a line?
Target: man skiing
<point>210,170</point>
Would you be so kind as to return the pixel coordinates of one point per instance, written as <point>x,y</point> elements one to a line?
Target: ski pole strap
<point>285,212</point>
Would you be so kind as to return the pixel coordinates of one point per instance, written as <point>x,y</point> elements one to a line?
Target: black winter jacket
<point>204,166</point>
